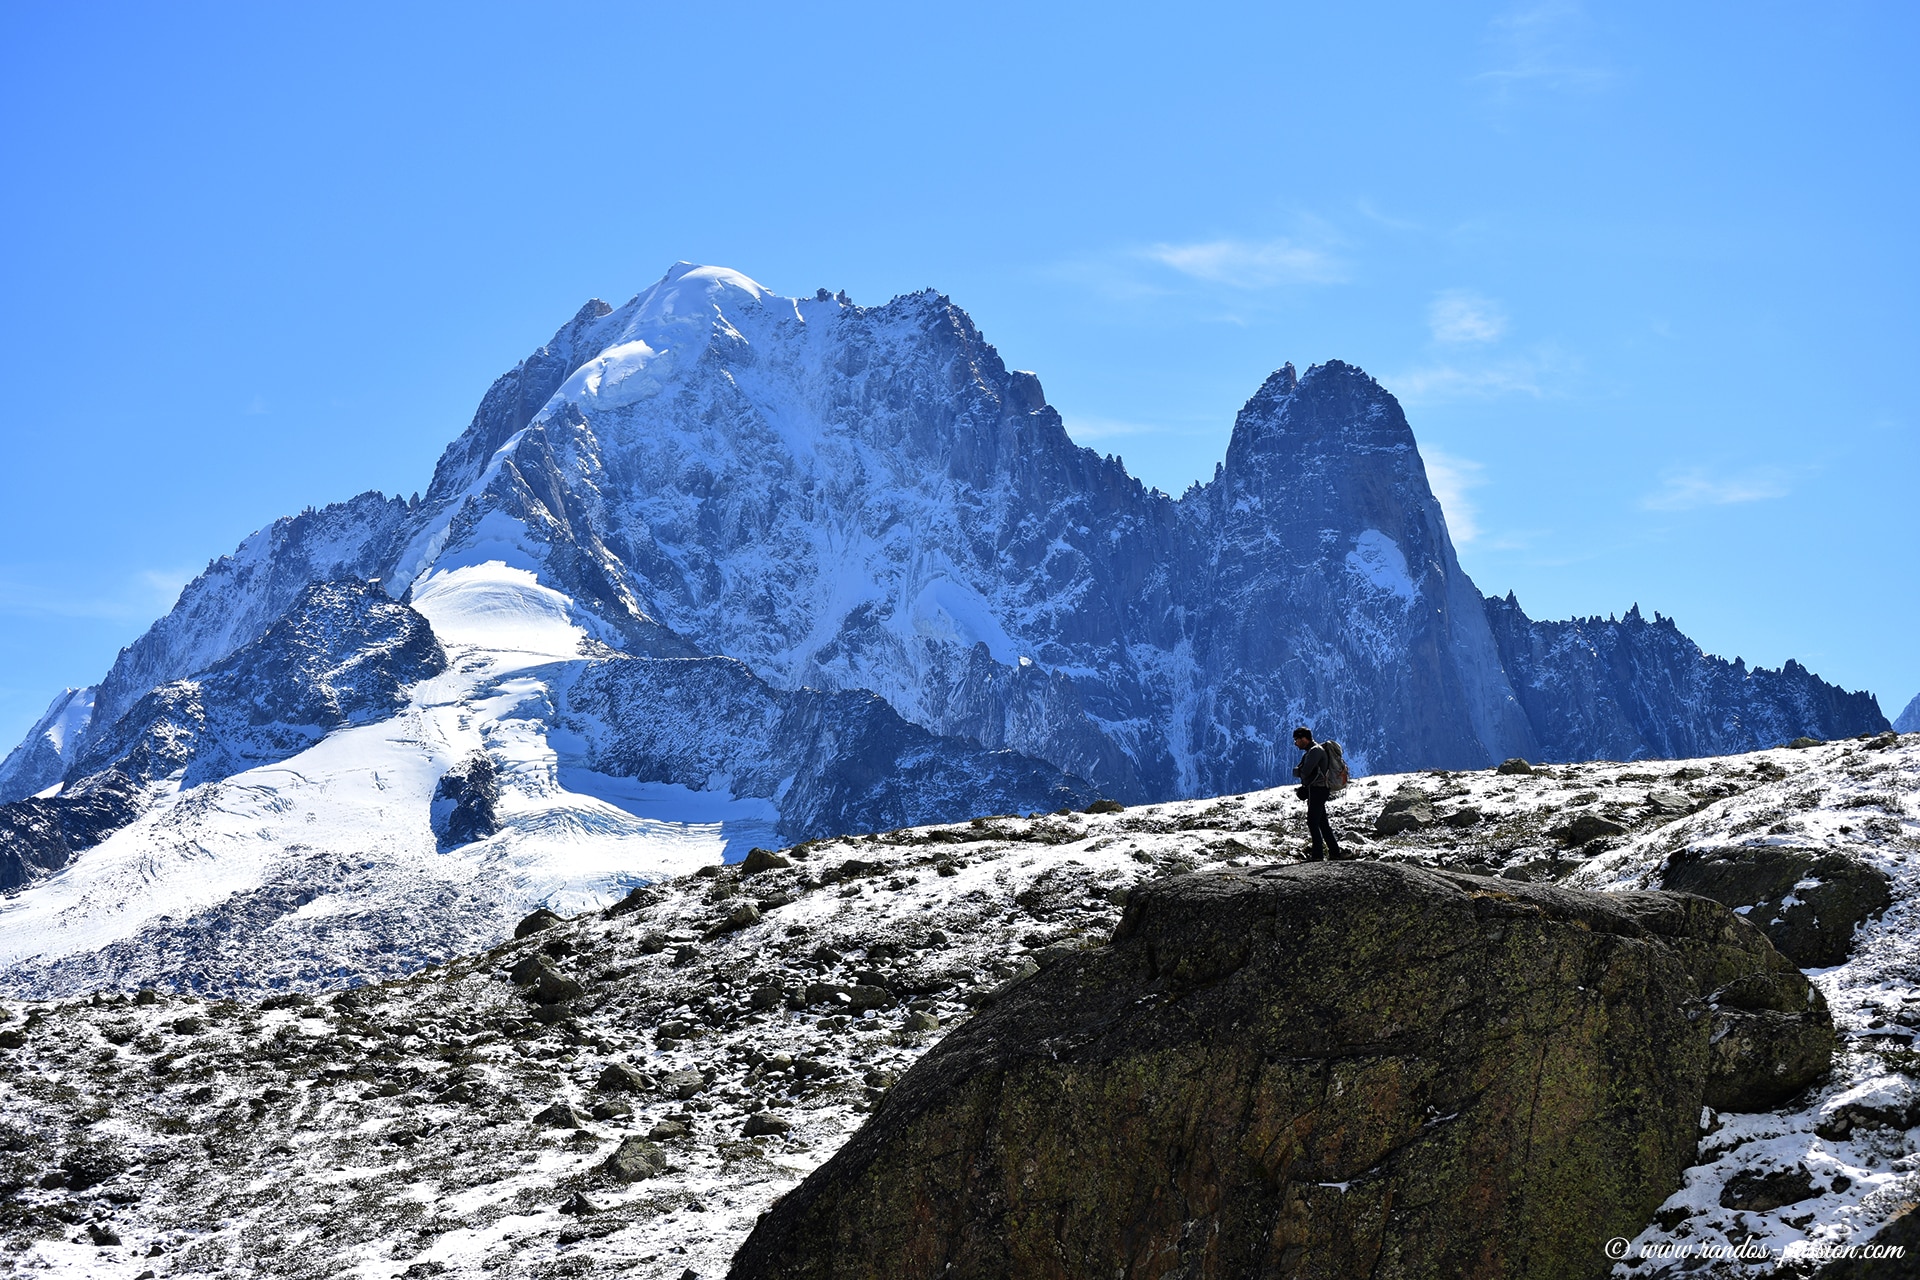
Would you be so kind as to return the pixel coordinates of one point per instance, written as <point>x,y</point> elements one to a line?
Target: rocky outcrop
<point>1807,901</point>
<point>1629,689</point>
<point>1356,1069</point>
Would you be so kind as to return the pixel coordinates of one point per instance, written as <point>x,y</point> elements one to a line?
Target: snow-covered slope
<point>451,1124</point>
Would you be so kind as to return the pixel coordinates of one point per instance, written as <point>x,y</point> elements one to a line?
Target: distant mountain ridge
<point>812,567</point>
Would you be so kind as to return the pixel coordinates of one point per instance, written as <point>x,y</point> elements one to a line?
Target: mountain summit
<point>719,565</point>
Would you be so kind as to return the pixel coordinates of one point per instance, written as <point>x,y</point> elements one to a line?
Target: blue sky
<point>1643,275</point>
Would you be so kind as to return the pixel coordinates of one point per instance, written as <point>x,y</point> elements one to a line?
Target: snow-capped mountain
<point>1909,721</point>
<point>719,564</point>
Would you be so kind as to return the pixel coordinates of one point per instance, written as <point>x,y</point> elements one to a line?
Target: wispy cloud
<point>1545,46</point>
<point>1691,489</point>
<point>1249,264</point>
<point>139,597</point>
<point>1452,382</point>
<point>1450,478</point>
<point>1086,430</point>
<point>1460,316</point>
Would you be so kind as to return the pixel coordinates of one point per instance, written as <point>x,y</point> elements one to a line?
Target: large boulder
<point>1314,1071</point>
<point>1807,901</point>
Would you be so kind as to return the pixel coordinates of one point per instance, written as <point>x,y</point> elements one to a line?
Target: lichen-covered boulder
<point>1316,1071</point>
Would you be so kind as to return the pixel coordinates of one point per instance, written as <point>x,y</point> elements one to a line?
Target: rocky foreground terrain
<point>628,1091</point>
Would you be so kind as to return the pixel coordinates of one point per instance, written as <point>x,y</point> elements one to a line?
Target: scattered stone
<point>685,954</point>
<point>767,997</point>
<point>578,1205</point>
<point>618,1077</point>
<point>635,1159</point>
<point>937,938</point>
<point>667,1130</point>
<point>1466,817</point>
<point>561,1115</point>
<point>762,1123</point>
<point>1513,765</point>
<point>1802,743</point>
<point>741,917</point>
<point>102,1234</point>
<point>541,919</point>
<point>1668,801</point>
<point>921,1020</point>
<point>824,954</point>
<point>1585,827</point>
<point>1106,806</point>
<point>653,944</point>
<point>684,1084</point>
<point>827,993</point>
<point>759,860</point>
<point>866,996</point>
<point>1407,810</point>
<point>612,1109</point>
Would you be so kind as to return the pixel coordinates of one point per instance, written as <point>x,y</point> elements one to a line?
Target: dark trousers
<point>1317,824</point>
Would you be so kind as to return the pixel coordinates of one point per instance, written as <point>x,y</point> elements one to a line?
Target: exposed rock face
<point>464,800</point>
<point>1807,901</point>
<point>1350,1070</point>
<point>1596,688</point>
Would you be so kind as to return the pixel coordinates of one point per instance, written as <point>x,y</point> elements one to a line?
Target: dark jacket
<point>1313,767</point>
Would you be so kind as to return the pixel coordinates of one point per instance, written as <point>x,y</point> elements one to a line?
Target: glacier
<point>719,567</point>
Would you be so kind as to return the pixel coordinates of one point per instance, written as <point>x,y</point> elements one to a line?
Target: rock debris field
<point>626,1091</point>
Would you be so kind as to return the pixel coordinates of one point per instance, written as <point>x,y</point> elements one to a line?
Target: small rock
<point>759,860</point>
<point>937,938</point>
<point>102,1234</point>
<point>761,1123</point>
<point>1802,743</point>
<point>920,1020</point>
<point>667,1129</point>
<point>541,919</point>
<point>1584,827</point>
<point>1399,816</point>
<point>878,1080</point>
<point>684,1084</point>
<point>865,996</point>
<point>561,1115</point>
<point>685,954</point>
<point>1466,817</point>
<point>1514,765</point>
<point>618,1077</point>
<point>636,1158</point>
<point>767,997</point>
<point>653,944</point>
<point>1106,806</point>
<point>741,917</point>
<point>612,1109</point>
<point>827,993</point>
<point>1668,801</point>
<point>824,954</point>
<point>1760,1191</point>
<point>577,1205</point>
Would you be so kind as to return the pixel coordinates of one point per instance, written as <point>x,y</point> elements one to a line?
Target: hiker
<point>1321,771</point>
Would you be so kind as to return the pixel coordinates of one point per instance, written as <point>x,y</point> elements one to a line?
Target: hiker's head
<point>1303,737</point>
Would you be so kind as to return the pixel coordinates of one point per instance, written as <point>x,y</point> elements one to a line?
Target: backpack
<point>1336,777</point>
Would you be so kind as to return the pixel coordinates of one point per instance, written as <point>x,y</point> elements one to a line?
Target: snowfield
<point>722,1032</point>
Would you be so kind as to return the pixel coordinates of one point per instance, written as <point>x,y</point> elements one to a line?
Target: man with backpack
<point>1322,771</point>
